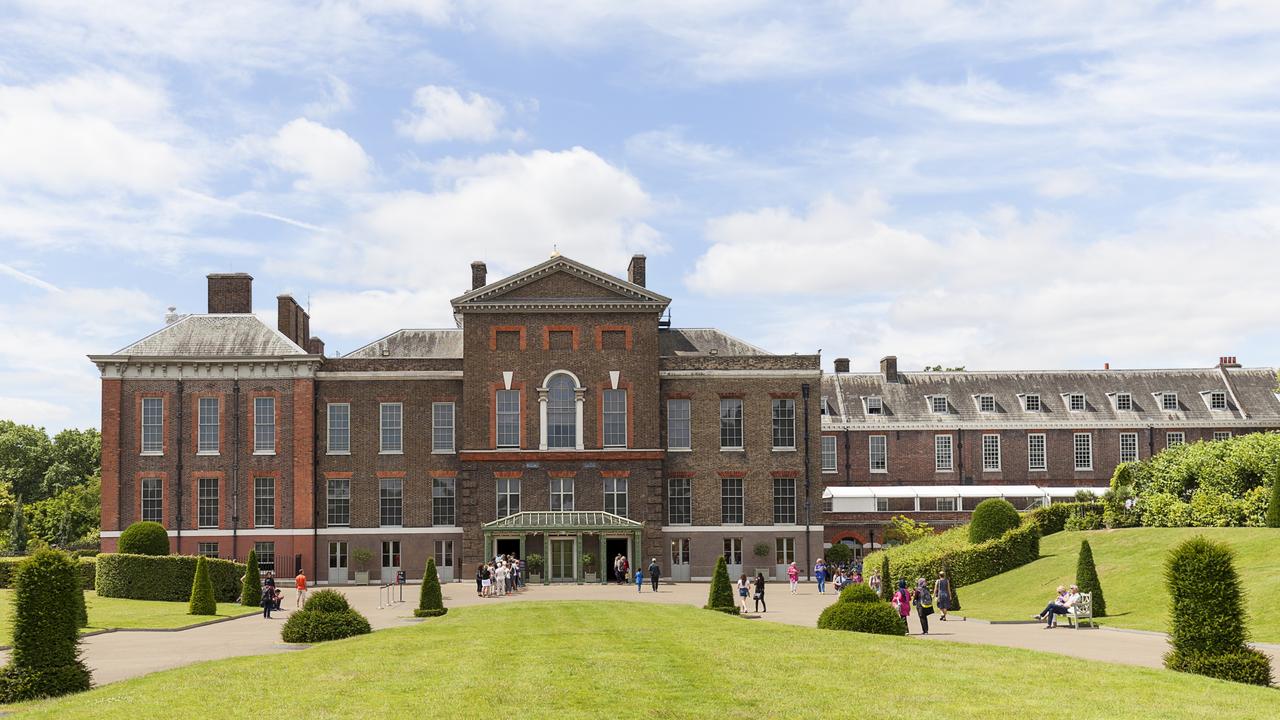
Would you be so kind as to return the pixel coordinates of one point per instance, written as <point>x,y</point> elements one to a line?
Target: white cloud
<point>442,113</point>
<point>335,97</point>
<point>325,158</point>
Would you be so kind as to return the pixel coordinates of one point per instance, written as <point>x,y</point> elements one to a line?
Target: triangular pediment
<point>559,284</point>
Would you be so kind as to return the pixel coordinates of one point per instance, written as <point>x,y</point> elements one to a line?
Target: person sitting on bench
<point>1061,605</point>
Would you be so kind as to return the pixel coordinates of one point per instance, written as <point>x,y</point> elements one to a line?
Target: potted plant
<point>534,562</point>
<point>761,551</point>
<point>360,558</point>
<point>589,567</point>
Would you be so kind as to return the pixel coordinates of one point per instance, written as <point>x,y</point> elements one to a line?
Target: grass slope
<point>638,660</point>
<point>118,613</point>
<point>1131,568</point>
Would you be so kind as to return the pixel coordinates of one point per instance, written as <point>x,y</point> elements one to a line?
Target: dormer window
<point>1217,400</point>
<point>875,406</point>
<point>823,407</point>
<point>1031,402</point>
<point>938,403</point>
<point>987,403</point>
<point>1075,402</point>
<point>1169,401</point>
<point>1124,402</point>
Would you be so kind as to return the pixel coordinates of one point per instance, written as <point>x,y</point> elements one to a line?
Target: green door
<point>562,559</point>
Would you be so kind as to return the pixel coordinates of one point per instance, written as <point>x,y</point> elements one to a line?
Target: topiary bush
<point>886,580</point>
<point>202,602</point>
<point>45,660</point>
<point>857,592</point>
<point>991,519</point>
<point>251,586</point>
<point>876,617</point>
<point>1087,579</point>
<point>144,538</point>
<point>325,616</point>
<point>430,600</point>
<point>169,577</point>
<point>720,596</point>
<point>327,601</point>
<point>1273,506</point>
<point>1207,628</point>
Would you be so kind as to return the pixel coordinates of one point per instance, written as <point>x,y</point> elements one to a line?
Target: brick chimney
<point>635,270</point>
<point>315,346</point>
<point>230,293</point>
<point>842,365</point>
<point>288,314</point>
<point>1228,361</point>
<point>479,273</point>
<point>889,368</point>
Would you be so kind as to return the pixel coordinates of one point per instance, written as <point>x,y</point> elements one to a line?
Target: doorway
<point>562,560</point>
<point>613,547</point>
<point>337,563</point>
<point>507,546</point>
<point>680,559</point>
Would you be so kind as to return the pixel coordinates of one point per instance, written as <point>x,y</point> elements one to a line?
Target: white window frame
<point>390,495</point>
<point>202,497</point>
<point>990,447</point>
<point>1077,451</point>
<point>779,423</point>
<point>508,488</point>
<point>933,405</point>
<point>214,429</point>
<point>393,425</point>
<point>740,422</point>
<point>830,452</point>
<point>1165,397</point>
<point>330,497</point>
<point>1128,402</point>
<point>784,501</point>
<point>882,504</point>
<point>264,429</point>
<point>154,445</point>
<point>1128,447</point>
<point>562,491</point>
<point>438,447</point>
<point>1221,435</point>
<point>151,503</point>
<point>1071,402</point>
<point>1217,400</point>
<point>502,416</point>
<point>728,500</point>
<point>1174,438</point>
<point>610,418</point>
<point>874,404</point>
<point>444,494</point>
<point>944,504</point>
<point>337,431</point>
<point>680,425</point>
<point>1026,403</point>
<point>938,446</point>
<point>680,493</point>
<point>1043,465</point>
<point>983,401</point>
<point>258,496</point>
<point>881,453</point>
<point>617,491</point>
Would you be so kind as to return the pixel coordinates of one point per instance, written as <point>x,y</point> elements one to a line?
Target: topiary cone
<point>721,596</point>
<point>251,588</point>
<point>1087,579</point>
<point>202,601</point>
<point>886,581</point>
<point>430,601</point>
<point>1273,507</point>
<point>45,660</point>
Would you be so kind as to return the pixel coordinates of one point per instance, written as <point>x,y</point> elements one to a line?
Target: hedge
<point>1087,579</point>
<point>992,518</point>
<point>877,617</point>
<point>144,538</point>
<point>1244,665</point>
<point>857,592</point>
<point>45,661</point>
<point>1053,518</point>
<point>327,601</point>
<point>309,626</point>
<point>202,602</point>
<point>251,586</point>
<point>168,577</point>
<point>88,571</point>
<point>968,564</point>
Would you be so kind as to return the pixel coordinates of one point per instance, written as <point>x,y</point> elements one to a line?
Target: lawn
<point>639,660</point>
<point>117,613</point>
<point>1131,568</point>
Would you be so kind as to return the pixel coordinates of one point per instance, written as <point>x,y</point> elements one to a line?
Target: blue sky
<point>995,185</point>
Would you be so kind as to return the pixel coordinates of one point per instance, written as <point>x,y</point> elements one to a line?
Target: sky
<point>994,185</point>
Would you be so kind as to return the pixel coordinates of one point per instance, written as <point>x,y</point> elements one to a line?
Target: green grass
<point>1131,568</point>
<point>116,613</point>
<point>638,660</point>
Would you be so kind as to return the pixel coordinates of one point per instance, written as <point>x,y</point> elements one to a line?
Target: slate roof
<point>414,343</point>
<point>701,341</point>
<point>1250,397</point>
<point>214,336</point>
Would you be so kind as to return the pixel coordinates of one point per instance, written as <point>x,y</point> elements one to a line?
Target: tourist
<point>793,576</point>
<point>942,591</point>
<point>820,575</point>
<point>268,600</point>
<point>654,572</point>
<point>875,582</point>
<point>617,569</point>
<point>742,591</point>
<point>1061,605</point>
<point>902,601</point>
<point>300,582</point>
<point>485,578</point>
<point>923,601</point>
<point>480,580</point>
<point>639,580</point>
<point>759,593</point>
<point>626,569</point>
<point>840,581</point>
<point>857,576</point>
<point>500,579</point>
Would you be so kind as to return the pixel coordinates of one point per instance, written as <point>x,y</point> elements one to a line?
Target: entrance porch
<point>564,538</point>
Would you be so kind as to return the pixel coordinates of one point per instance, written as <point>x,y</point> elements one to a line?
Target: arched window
<point>562,412</point>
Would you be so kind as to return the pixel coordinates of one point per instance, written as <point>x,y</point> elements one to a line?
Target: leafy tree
<point>45,661</point>
<point>906,530</point>
<point>431,600</point>
<point>18,529</point>
<point>25,454</point>
<point>76,459</point>
<point>1087,579</point>
<point>70,517</point>
<point>202,602</point>
<point>251,589</point>
<point>721,596</point>
<point>838,554</point>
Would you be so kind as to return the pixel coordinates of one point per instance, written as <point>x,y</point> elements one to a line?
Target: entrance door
<point>338,563</point>
<point>390,560</point>
<point>562,560</point>
<point>613,547</point>
<point>680,559</point>
<point>444,560</point>
<point>506,546</point>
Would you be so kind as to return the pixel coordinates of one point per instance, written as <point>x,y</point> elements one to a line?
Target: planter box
<point>766,572</point>
<point>362,578</point>
<point>535,578</point>
<point>589,577</point>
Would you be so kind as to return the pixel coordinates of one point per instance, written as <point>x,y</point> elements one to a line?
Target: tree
<point>202,602</point>
<point>838,554</point>
<point>69,518</point>
<point>721,596</point>
<point>18,529</point>
<point>251,589</point>
<point>1273,505</point>
<point>1087,579</point>
<point>75,459</point>
<point>431,600</point>
<point>25,455</point>
<point>886,580</point>
<point>45,660</point>
<point>906,530</point>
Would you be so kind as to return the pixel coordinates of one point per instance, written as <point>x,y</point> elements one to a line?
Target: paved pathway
<point>120,655</point>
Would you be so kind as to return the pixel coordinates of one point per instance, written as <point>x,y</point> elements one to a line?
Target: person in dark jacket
<point>759,593</point>
<point>268,600</point>
<point>654,572</point>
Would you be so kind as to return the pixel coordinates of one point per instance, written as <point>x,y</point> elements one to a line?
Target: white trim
<point>340,530</point>
<point>1061,425</point>
<point>738,529</point>
<point>390,375</point>
<point>739,373</point>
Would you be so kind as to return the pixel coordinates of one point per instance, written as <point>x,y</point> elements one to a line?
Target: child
<point>639,580</point>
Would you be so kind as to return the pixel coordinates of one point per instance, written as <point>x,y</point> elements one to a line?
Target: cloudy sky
<point>987,184</point>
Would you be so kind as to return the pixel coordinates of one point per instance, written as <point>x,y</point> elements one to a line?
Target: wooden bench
<point>1083,611</point>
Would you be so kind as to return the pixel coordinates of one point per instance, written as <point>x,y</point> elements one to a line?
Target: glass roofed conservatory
<point>564,539</point>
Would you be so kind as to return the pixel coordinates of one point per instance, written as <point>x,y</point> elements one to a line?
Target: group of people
<point>1060,605</point>
<point>922,598</point>
<point>273,596</point>
<point>840,575</point>
<point>755,588</point>
<point>622,570</point>
<point>503,575</point>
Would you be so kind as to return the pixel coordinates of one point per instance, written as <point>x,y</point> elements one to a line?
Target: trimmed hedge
<point>430,599</point>
<point>88,571</point>
<point>877,617</point>
<point>857,592</point>
<point>720,597</point>
<point>1087,579</point>
<point>966,563</point>
<point>144,538</point>
<point>251,586</point>
<point>311,626</point>
<point>327,601</point>
<point>148,577</point>
<point>46,637</point>
<point>1053,518</point>
<point>886,580</point>
<point>202,602</point>
<point>992,518</point>
<point>1245,665</point>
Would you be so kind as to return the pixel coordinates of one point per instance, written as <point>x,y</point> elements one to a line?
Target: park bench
<point>1082,611</point>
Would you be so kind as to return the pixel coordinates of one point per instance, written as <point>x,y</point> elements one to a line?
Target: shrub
<point>46,639</point>
<point>8,566</point>
<point>431,600</point>
<point>967,563</point>
<point>906,530</point>
<point>1087,579</point>
<point>327,601</point>
<point>876,617</point>
<point>144,538</point>
<point>1273,506</point>
<point>886,580</point>
<point>838,554</point>
<point>535,564</point>
<point>1208,631</point>
<point>311,626</point>
<point>857,592</point>
<point>991,519</point>
<point>18,528</point>
<point>202,602</point>
<point>721,596</point>
<point>168,577</point>
<point>251,586</point>
<point>1084,521</point>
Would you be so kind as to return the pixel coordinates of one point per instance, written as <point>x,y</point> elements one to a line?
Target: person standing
<point>902,601</point>
<point>820,575</point>
<point>874,582</point>
<point>617,568</point>
<point>480,580</point>
<point>793,576</point>
<point>942,591</point>
<point>654,571</point>
<point>300,582</point>
<point>268,600</point>
<point>759,593</point>
<point>639,580</point>
<point>923,601</point>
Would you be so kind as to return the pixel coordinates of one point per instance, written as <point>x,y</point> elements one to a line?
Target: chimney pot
<point>842,365</point>
<point>171,317</point>
<point>636,270</point>
<point>1228,361</point>
<point>1106,366</point>
<point>889,368</point>
<point>230,293</point>
<point>479,275</point>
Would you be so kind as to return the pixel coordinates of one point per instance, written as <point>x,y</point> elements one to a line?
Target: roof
<point>613,293</point>
<point>216,335</point>
<point>1250,397</point>
<point>703,341</point>
<point>968,491</point>
<point>575,520</point>
<point>414,343</point>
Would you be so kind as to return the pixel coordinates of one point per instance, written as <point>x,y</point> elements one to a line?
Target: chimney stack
<point>842,365</point>
<point>635,270</point>
<point>230,293</point>
<point>889,368</point>
<point>315,346</point>
<point>1106,366</point>
<point>1228,361</point>
<point>479,274</point>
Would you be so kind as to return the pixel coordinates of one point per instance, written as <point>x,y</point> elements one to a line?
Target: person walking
<point>874,582</point>
<point>793,576</point>
<point>743,588</point>
<point>902,602</point>
<point>268,600</point>
<point>923,601</point>
<point>820,575</point>
<point>617,568</point>
<point>639,580</point>
<point>300,582</point>
<point>654,571</point>
<point>759,593</point>
<point>942,591</point>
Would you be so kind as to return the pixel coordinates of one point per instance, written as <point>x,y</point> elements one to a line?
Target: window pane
<point>209,550</point>
<point>878,452</point>
<point>266,552</point>
<point>1128,447</point>
<point>339,501</point>
<point>1033,403</point>
<point>784,423</point>
<point>990,452</point>
<point>1124,401</point>
<point>615,496</point>
<point>391,424</point>
<point>785,550</point>
<point>264,502</point>
<point>942,452</point>
<point>679,502</point>
<point>615,418</point>
<point>828,453</point>
<point>562,494</point>
<point>339,428</point>
<point>508,496</point>
<point>207,515</point>
<point>264,425</point>
<point>1036,452</point>
<point>209,426</point>
<point>442,501</point>
<point>562,412</point>
<point>152,500</point>
<point>508,404</point>
<point>679,431</point>
<point>784,501</point>
<point>1174,438</point>
<point>152,425</point>
<point>390,502</point>
<point>730,423</point>
<point>731,501</point>
<point>442,427</point>
<point>1084,451</point>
